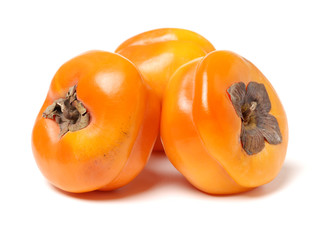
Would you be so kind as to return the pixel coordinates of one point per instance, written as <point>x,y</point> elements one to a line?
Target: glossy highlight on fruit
<point>93,131</point>
<point>160,52</point>
<point>223,125</point>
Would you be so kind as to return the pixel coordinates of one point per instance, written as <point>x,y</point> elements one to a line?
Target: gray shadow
<point>157,173</point>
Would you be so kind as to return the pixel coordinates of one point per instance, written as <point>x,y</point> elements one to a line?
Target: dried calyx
<point>68,112</point>
<point>252,105</point>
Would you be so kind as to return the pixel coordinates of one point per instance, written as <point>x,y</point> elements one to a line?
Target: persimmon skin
<point>159,53</point>
<point>99,156</point>
<point>180,137</point>
<point>200,129</point>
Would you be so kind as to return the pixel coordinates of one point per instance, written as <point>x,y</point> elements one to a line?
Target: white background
<point>288,41</point>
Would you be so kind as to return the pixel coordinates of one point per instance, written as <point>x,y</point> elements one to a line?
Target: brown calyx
<point>252,105</point>
<point>68,112</point>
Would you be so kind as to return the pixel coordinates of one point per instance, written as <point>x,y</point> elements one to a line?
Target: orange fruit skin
<point>116,144</point>
<point>200,129</point>
<point>160,52</point>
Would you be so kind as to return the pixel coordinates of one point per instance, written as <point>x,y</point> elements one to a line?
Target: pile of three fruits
<point>220,121</point>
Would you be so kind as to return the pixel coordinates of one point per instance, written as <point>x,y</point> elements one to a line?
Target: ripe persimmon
<point>160,52</point>
<point>97,126</point>
<point>223,125</point>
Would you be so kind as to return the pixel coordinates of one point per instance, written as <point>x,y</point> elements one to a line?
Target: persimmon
<point>97,126</point>
<point>223,125</point>
<point>160,52</point>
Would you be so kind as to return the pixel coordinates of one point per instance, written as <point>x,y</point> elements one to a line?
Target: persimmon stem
<point>252,105</point>
<point>248,111</point>
<point>68,112</point>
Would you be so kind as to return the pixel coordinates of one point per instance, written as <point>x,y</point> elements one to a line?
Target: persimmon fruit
<point>159,53</point>
<point>223,125</point>
<point>97,126</point>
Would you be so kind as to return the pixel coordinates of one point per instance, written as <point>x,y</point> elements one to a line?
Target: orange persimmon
<point>160,52</point>
<point>223,125</point>
<point>97,126</point>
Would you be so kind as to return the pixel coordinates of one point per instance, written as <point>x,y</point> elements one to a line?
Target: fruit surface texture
<point>160,52</point>
<point>223,125</point>
<point>109,147</point>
